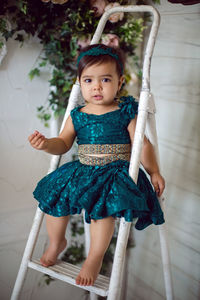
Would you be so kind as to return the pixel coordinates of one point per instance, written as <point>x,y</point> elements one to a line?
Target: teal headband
<point>100,51</point>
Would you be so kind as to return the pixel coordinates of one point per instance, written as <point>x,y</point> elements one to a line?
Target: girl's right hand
<point>38,141</point>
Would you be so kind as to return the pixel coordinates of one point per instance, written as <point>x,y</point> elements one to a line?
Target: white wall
<point>175,78</point>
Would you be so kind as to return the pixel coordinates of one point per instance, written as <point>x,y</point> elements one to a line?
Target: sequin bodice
<point>108,128</point>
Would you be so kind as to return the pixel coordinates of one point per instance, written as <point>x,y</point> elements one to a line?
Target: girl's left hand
<point>158,183</point>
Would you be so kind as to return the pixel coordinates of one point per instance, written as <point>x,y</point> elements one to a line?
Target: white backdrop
<point>175,85</point>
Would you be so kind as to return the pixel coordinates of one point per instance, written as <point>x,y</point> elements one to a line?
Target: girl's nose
<point>97,86</point>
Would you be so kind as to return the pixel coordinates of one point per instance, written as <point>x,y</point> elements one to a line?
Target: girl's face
<point>100,83</point>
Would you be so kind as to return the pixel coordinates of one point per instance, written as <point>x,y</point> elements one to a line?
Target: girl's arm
<point>58,145</point>
<point>148,160</point>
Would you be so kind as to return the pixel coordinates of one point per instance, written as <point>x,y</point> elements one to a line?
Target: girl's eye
<point>106,80</point>
<point>88,80</point>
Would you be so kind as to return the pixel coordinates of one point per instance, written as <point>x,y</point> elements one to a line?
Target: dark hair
<point>89,60</point>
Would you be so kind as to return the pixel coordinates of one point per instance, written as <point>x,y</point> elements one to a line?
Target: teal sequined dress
<point>106,190</point>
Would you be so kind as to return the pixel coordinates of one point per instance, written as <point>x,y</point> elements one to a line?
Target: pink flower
<point>83,42</point>
<point>114,17</point>
<point>111,40</point>
<point>98,6</point>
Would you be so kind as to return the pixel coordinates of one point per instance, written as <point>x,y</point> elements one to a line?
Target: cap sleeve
<point>129,106</point>
<point>74,116</point>
<point>73,112</point>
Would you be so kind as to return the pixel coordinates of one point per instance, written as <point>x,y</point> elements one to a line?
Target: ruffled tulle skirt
<point>102,191</point>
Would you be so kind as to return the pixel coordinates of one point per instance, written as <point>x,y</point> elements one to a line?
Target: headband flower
<point>100,51</point>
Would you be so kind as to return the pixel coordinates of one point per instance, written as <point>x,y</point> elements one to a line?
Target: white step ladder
<point>104,286</point>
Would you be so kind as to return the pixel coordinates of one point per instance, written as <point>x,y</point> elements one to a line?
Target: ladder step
<point>68,272</point>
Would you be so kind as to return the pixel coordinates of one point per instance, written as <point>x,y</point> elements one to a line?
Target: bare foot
<point>50,255</point>
<point>89,271</point>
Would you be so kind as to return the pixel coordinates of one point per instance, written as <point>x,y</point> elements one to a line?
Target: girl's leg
<point>56,227</point>
<point>101,232</point>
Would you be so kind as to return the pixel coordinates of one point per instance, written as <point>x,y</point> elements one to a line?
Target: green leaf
<point>66,87</point>
<point>139,74</point>
<point>33,73</point>
<point>47,117</point>
<point>43,63</point>
<point>23,6</point>
<point>40,108</point>
<point>61,82</point>
<point>48,279</point>
<point>2,25</point>
<point>74,254</point>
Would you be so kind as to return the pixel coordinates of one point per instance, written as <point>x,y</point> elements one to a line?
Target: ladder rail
<point>152,135</point>
<point>29,248</point>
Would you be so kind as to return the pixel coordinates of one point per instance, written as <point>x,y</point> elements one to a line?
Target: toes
<point>86,281</point>
<point>46,263</point>
<point>82,281</point>
<point>43,262</point>
<point>78,279</point>
<point>89,281</point>
<point>92,282</point>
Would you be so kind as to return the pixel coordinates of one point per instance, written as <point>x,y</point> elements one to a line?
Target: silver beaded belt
<point>104,149</point>
<point>115,151</point>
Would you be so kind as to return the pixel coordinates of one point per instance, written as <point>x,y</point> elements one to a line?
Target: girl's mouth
<point>98,97</point>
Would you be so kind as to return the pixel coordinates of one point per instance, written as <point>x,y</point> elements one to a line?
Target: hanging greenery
<point>64,27</point>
